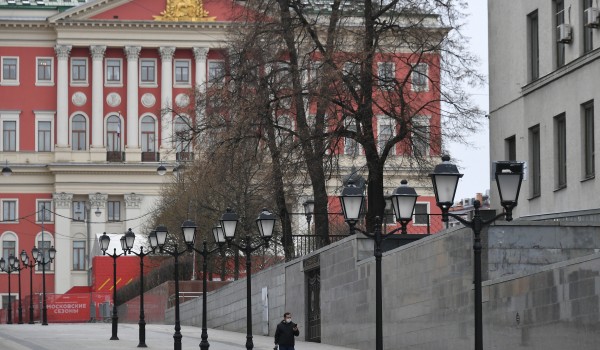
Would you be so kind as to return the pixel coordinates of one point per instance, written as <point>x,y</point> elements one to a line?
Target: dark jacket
<point>284,334</point>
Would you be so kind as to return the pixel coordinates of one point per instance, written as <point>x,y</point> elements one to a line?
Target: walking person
<point>286,333</point>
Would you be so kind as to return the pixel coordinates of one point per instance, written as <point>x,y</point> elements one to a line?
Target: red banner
<point>68,308</point>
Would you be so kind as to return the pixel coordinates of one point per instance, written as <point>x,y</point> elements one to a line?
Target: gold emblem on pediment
<point>184,11</point>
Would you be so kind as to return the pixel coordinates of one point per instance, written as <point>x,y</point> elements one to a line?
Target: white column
<point>62,242</point>
<point>133,53</point>
<point>200,54</point>
<point>97,124</point>
<point>62,95</point>
<point>97,202</point>
<point>133,213</point>
<point>166,91</point>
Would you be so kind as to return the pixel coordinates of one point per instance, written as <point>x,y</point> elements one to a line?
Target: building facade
<point>544,72</point>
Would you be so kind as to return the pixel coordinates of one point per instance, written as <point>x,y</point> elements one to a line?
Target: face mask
<point>288,320</point>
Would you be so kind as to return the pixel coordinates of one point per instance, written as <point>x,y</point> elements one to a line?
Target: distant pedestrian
<point>285,333</point>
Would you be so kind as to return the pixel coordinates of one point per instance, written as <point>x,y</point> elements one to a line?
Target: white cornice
<point>87,10</point>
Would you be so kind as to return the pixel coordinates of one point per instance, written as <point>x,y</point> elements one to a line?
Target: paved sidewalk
<point>83,336</point>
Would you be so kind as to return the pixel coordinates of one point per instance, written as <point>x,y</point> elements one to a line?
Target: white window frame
<point>359,150</point>
<point>388,85</point>
<point>187,83</point>
<point>209,78</point>
<point>113,82</point>
<point>121,130</point>
<point>79,238</point>
<point>281,136</point>
<point>148,83</point>
<point>155,129</point>
<point>16,200</point>
<point>87,73</point>
<point>422,121</point>
<point>38,238</point>
<point>3,80</point>
<point>9,116</point>
<point>44,82</point>
<point>385,120</point>
<point>415,215</point>
<point>49,209</point>
<point>44,116</point>
<point>87,131</point>
<point>3,238</point>
<point>415,72</point>
<point>75,218</point>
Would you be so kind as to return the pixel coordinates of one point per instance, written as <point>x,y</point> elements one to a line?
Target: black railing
<point>150,156</point>
<point>115,156</point>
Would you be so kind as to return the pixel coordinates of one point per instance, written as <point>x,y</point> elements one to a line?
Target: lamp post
<point>129,240</point>
<point>161,237</point>
<point>265,223</point>
<point>188,229</point>
<point>445,176</point>
<point>104,241</point>
<point>403,201</point>
<point>309,208</point>
<point>29,265</point>
<point>8,267</point>
<point>18,267</point>
<point>40,257</point>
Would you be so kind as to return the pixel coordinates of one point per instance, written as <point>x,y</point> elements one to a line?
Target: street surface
<point>84,336</point>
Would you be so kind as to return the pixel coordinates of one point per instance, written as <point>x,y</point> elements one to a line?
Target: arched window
<point>113,134</point>
<point>148,134</point>
<point>78,133</point>
<point>9,245</point>
<point>182,134</point>
<point>44,241</point>
<point>282,133</point>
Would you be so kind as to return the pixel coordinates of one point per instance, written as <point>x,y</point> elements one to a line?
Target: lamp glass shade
<point>26,261</point>
<point>188,229</point>
<point>2,263</point>
<point>129,239</point>
<point>265,223</point>
<point>104,242</point>
<point>445,180</point>
<point>509,175</point>
<point>309,207</point>
<point>23,255</point>
<point>161,235</point>
<point>161,170</point>
<point>6,171</point>
<point>123,241</point>
<point>52,253</point>
<point>152,239</point>
<point>17,264</point>
<point>35,254</point>
<point>352,200</point>
<point>98,212</point>
<point>229,222</point>
<point>11,260</point>
<point>403,201</point>
<point>218,234</point>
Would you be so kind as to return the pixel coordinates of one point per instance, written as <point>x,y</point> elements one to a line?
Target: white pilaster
<point>133,211</point>
<point>166,91</point>
<point>62,242</point>
<point>200,54</point>
<point>62,95</point>
<point>97,202</point>
<point>97,128</point>
<point>134,153</point>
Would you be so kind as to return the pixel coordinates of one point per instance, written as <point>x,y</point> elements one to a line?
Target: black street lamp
<point>403,201</point>
<point>309,209</point>
<point>104,241</point>
<point>8,268</point>
<point>188,229</point>
<point>129,239</point>
<point>29,265</point>
<point>509,176</point>
<point>40,258</point>
<point>265,223</point>
<point>18,267</point>
<point>161,237</point>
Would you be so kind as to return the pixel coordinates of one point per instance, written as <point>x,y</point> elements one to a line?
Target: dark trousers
<point>286,347</point>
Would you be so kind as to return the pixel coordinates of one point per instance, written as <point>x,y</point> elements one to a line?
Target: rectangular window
<point>78,211</point>
<point>44,247</point>
<point>534,48</point>
<point>421,216</point>
<point>78,70</point>
<point>10,70</point>
<point>351,147</point>
<point>148,71</point>
<point>588,32</point>
<point>182,72</point>
<point>216,72</point>
<point>351,72</point>
<point>511,148</point>
<point>560,150</point>
<point>114,211</point>
<point>388,216</point>
<point>9,210</point>
<point>420,77</point>
<point>559,8</point>
<point>386,72</point>
<point>78,255</point>
<point>588,140</point>
<point>420,137</point>
<point>5,299</point>
<point>44,140</point>
<point>9,247</point>
<point>9,136</point>
<point>386,128</point>
<point>44,70</point>
<point>113,71</point>
<point>534,157</point>
<point>44,211</point>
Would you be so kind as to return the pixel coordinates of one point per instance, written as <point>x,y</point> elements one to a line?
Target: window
<point>10,71</point>
<point>44,211</point>
<point>316,69</point>
<point>5,300</point>
<point>79,211</point>
<point>9,245</point>
<point>534,48</point>
<point>388,212</point>
<point>148,134</point>
<point>44,243</point>
<point>560,150</point>
<point>216,72</point>
<point>44,136</point>
<point>78,255</point>
<point>351,73</point>
<point>182,134</point>
<point>534,157</point>
<point>113,71</point>
<point>588,140</point>
<point>511,148</point>
<point>78,133</point>
<point>283,133</point>
<point>386,130</point>
<point>78,70</point>
<point>182,72</point>
<point>45,68</point>
<point>351,147</point>
<point>420,137</point>
<point>559,7</point>
<point>588,32</point>
<point>113,134</point>
<point>9,210</point>
<point>420,77</point>
<point>421,216</point>
<point>386,72</point>
<point>9,136</point>
<point>114,211</point>
<point>147,72</point>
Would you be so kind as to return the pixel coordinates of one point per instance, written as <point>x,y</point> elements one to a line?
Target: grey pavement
<point>83,336</point>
